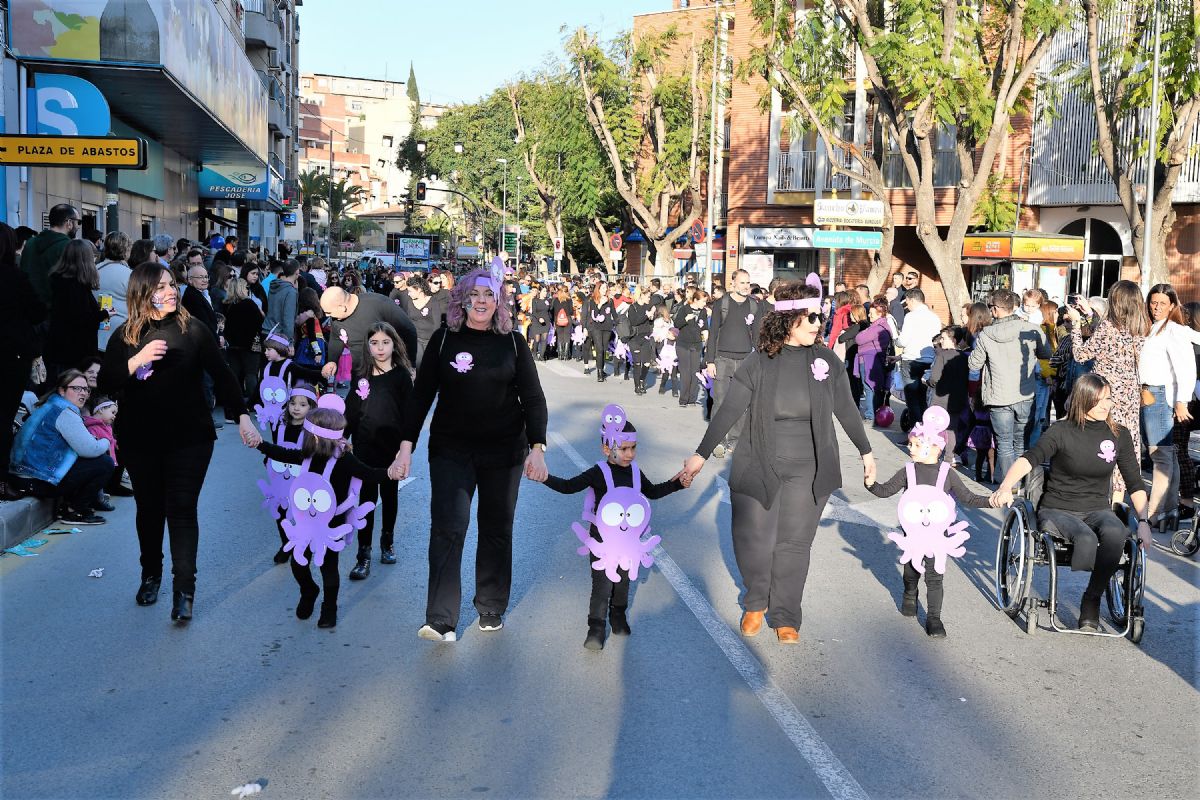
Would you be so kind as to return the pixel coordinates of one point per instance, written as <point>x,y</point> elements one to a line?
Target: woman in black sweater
<point>539,320</point>
<point>562,314</point>
<point>427,312</point>
<point>154,366</point>
<point>20,312</point>
<point>783,474</point>
<point>75,315</point>
<point>691,319</point>
<point>243,322</point>
<point>1083,451</point>
<point>489,426</point>
<point>599,316</point>
<point>641,345</point>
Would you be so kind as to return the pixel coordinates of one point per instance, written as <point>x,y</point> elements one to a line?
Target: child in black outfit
<point>375,413</point>
<point>922,482</point>
<point>948,378</point>
<point>301,400</point>
<point>611,598</point>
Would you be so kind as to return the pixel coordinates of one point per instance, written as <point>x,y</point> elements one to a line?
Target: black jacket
<point>21,311</point>
<point>75,319</point>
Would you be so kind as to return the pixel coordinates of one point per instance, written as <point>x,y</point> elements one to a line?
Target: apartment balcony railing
<point>946,170</point>
<point>795,171</point>
<point>263,24</point>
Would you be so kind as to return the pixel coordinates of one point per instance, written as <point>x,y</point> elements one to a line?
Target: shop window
<point>393,243</point>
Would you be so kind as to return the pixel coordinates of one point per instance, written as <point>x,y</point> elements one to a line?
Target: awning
<point>983,262</point>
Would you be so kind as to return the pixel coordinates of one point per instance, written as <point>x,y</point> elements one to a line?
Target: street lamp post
<point>1151,156</point>
<point>503,206</point>
<point>518,264</point>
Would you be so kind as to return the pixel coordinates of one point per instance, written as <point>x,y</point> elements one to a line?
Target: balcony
<point>796,171</point>
<point>264,27</point>
<point>277,116</point>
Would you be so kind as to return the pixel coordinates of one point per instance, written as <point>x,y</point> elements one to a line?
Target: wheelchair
<point>1024,543</point>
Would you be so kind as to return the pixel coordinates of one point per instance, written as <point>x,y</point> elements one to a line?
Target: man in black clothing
<point>909,279</point>
<point>43,251</point>
<point>733,333</point>
<point>196,300</point>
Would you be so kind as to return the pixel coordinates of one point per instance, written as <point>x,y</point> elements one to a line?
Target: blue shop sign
<point>234,182</point>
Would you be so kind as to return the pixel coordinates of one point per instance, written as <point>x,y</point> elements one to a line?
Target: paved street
<point>102,698</point>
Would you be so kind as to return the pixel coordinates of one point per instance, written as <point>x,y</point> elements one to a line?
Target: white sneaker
<point>427,632</point>
<point>490,622</point>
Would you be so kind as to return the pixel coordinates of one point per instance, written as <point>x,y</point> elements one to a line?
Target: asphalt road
<point>101,698</point>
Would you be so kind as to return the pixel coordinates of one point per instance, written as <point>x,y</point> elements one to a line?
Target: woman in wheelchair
<point>1083,451</point>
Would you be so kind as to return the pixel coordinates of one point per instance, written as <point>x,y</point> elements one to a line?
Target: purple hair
<point>501,321</point>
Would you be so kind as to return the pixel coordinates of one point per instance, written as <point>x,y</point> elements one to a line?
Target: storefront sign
<point>1024,248</point>
<point>778,238</point>
<point>233,182</point>
<point>65,105</point>
<point>72,151</point>
<point>760,266</point>
<point>866,213</point>
<point>848,240</point>
<point>987,246</point>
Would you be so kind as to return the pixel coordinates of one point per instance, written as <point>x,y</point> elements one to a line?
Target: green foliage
<point>342,196</point>
<point>314,188</point>
<point>414,94</point>
<point>997,207</point>
<point>353,229</point>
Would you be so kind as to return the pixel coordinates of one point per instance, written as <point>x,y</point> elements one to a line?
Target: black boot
<point>1089,613</point>
<point>147,593</point>
<point>908,607</point>
<point>304,608</point>
<point>181,611</point>
<point>281,557</point>
<point>328,618</point>
<point>362,567</point>
<point>618,621</point>
<point>387,554</point>
<point>662,383</point>
<point>934,628</point>
<point>595,634</point>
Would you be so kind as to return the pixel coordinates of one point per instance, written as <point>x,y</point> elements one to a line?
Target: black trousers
<point>454,480</point>
<point>933,587</point>
<point>599,341</point>
<point>330,577</point>
<point>562,338</point>
<point>166,487</point>
<point>1099,539</point>
<point>726,368</point>
<point>606,594</point>
<point>245,365</point>
<point>81,485</point>
<point>14,377</point>
<point>689,364</point>
<point>772,545</point>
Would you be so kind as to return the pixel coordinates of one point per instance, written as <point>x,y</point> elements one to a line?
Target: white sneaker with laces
<point>429,633</point>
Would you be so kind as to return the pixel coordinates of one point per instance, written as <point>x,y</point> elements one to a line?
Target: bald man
<point>354,314</point>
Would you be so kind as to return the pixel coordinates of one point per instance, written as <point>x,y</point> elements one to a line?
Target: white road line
<point>831,771</point>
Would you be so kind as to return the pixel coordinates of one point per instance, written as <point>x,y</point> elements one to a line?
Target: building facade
<point>182,77</point>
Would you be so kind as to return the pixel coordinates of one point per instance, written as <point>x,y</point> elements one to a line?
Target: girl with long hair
<point>1115,349</point>
<point>75,314</point>
<point>599,316</point>
<point>1084,450</point>
<point>154,367</point>
<point>375,413</point>
<point>562,313</point>
<point>691,320</point>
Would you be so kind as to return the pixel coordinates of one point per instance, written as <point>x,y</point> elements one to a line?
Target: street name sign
<point>27,150</point>
<point>848,240</point>
<point>865,213</point>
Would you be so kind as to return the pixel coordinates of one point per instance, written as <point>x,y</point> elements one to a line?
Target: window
<point>946,171</point>
<point>356,105</point>
<point>306,83</point>
<point>393,243</point>
<point>387,141</point>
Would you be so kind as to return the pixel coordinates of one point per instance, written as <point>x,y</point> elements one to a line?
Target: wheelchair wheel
<point>1013,562</point>
<point>1136,630</point>
<point>1185,544</point>
<point>1126,588</point>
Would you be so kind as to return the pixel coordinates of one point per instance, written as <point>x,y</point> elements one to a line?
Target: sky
<point>461,49</point>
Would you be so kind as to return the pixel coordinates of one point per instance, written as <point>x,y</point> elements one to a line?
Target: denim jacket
<point>40,451</point>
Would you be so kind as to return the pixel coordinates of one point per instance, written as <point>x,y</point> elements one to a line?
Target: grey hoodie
<point>281,309</point>
<point>1007,352</point>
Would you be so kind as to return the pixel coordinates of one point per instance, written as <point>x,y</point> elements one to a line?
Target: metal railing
<point>946,170</point>
<point>796,170</point>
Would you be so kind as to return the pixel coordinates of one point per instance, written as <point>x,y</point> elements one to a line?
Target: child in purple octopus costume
<point>276,487</point>
<point>616,512</point>
<point>927,512</point>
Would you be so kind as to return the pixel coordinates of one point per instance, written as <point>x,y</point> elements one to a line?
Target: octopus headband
<point>810,303</point>
<point>278,338</point>
<point>324,433</point>
<point>487,283</point>
<point>302,392</point>
<point>611,423</point>
<point>101,406</point>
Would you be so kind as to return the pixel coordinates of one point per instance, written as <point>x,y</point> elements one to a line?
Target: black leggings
<point>772,545</point>
<point>689,364</point>
<point>166,487</point>
<point>385,495</point>
<point>933,587</point>
<point>329,576</point>
<point>453,480</point>
<point>599,341</point>
<point>1099,539</point>
<point>562,338</point>
<point>606,594</point>
<point>14,378</point>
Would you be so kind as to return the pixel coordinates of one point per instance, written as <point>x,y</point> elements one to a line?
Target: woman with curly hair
<point>489,427</point>
<point>782,475</point>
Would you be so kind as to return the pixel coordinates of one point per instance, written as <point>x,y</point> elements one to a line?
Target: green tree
<point>1118,79</point>
<point>932,68</point>
<point>414,94</point>
<point>314,190</point>
<point>647,103</point>
<point>342,197</point>
<point>355,229</point>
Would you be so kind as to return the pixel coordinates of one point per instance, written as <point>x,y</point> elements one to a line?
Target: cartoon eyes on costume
<point>613,514</point>
<point>274,395</point>
<point>277,467</point>
<point>293,469</point>
<point>937,512</point>
<point>320,500</point>
<point>613,419</point>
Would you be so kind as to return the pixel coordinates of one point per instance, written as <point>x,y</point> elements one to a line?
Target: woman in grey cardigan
<point>783,474</point>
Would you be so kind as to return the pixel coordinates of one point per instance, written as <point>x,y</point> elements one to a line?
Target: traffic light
<point>408,204</point>
<point>421,191</point>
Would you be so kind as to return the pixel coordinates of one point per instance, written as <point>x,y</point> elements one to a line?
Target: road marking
<point>560,369</point>
<point>827,766</point>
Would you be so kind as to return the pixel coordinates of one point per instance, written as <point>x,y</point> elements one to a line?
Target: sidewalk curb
<point>22,518</point>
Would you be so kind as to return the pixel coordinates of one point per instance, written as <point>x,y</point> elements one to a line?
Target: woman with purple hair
<point>488,429</point>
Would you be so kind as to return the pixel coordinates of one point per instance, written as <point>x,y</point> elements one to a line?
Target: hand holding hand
<point>250,435</point>
<point>1001,498</point>
<point>402,464</point>
<point>868,468</point>
<point>692,466</point>
<point>535,466</point>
